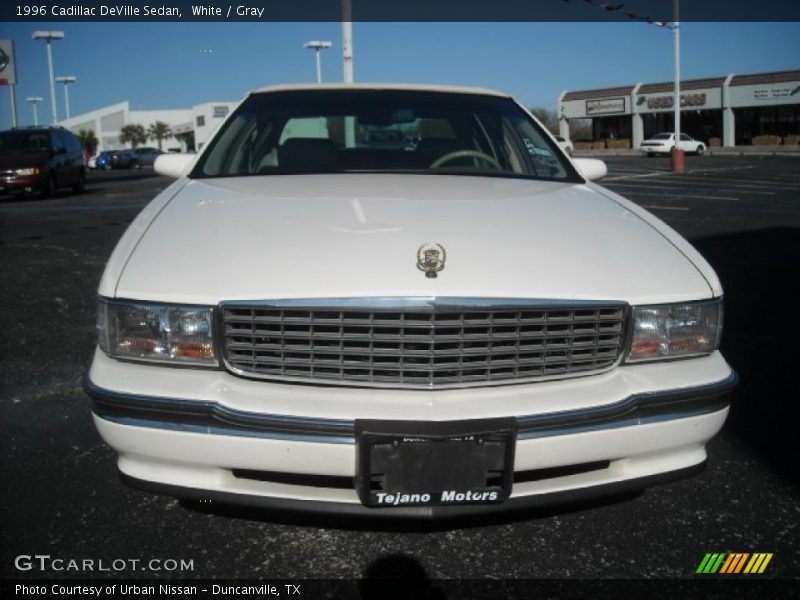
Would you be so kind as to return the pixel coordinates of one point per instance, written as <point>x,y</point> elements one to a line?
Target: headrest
<point>307,153</point>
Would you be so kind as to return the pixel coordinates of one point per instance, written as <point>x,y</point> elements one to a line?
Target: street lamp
<point>49,36</point>
<point>347,67</point>
<point>347,41</point>
<point>33,100</point>
<point>317,46</point>
<point>66,80</point>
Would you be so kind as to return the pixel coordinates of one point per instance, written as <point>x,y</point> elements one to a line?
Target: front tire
<point>49,188</point>
<point>700,150</point>
<point>80,185</point>
<point>135,164</point>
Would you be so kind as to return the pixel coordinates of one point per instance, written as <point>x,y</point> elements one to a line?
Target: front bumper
<point>22,185</point>
<point>656,149</point>
<point>209,435</point>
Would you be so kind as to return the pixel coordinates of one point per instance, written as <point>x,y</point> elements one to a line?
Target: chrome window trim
<point>421,303</point>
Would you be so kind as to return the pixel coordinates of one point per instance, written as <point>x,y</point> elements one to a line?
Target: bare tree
<point>547,117</point>
<point>580,129</point>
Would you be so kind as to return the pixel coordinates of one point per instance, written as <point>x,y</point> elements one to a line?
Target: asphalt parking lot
<point>60,493</point>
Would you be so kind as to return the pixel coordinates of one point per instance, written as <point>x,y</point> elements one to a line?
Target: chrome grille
<point>421,343</point>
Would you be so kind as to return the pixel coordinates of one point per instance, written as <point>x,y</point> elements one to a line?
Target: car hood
<point>356,235</point>
<point>21,160</point>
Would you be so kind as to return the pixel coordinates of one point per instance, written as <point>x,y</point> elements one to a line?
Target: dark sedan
<point>135,158</point>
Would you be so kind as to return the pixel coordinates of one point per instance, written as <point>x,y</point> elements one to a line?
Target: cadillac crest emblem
<point>430,259</point>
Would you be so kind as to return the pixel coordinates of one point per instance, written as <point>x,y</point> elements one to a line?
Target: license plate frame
<point>411,463</point>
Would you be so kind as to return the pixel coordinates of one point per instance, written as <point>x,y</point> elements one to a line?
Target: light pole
<point>317,45</point>
<point>49,36</point>
<point>33,100</point>
<point>66,80</point>
<point>678,156</point>
<point>347,67</point>
<point>347,50</point>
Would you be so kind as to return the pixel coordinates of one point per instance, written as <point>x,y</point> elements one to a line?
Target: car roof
<point>416,87</point>
<point>31,128</point>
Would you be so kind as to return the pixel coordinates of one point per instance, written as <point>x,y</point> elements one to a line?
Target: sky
<point>177,65</point>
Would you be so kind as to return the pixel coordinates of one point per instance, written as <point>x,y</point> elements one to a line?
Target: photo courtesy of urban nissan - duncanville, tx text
<point>394,300</point>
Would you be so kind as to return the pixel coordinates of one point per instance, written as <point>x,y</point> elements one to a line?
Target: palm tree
<point>88,141</point>
<point>133,135</point>
<point>159,131</point>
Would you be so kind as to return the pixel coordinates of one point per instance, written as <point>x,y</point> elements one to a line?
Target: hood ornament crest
<point>430,259</point>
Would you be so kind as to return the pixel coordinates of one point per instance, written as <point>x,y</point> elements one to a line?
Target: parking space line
<point>734,180</point>
<point>731,183</point>
<point>632,169</point>
<point>782,179</point>
<point>669,196</point>
<point>659,174</point>
<point>712,169</point>
<point>671,187</point>
<point>657,207</point>
<point>68,209</point>
<point>625,173</point>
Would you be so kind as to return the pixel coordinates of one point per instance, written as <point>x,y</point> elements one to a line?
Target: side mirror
<point>173,165</point>
<point>591,168</point>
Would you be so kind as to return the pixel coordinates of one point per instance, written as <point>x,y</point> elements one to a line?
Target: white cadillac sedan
<point>664,143</point>
<point>308,320</point>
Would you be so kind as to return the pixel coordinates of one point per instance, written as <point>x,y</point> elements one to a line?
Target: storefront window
<point>702,125</point>
<point>768,120</point>
<point>611,128</point>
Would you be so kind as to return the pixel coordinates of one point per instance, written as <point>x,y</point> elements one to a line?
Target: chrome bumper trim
<point>198,416</point>
<point>648,407</point>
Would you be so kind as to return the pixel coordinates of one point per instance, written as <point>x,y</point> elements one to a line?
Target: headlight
<point>26,172</point>
<point>157,332</point>
<point>675,330</point>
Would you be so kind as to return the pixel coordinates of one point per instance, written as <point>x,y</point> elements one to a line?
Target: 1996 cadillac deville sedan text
<point>407,301</point>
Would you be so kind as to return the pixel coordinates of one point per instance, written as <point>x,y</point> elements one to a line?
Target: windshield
<point>329,131</point>
<point>24,141</point>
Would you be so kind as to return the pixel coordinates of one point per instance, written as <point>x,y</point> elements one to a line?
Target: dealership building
<point>190,127</point>
<point>729,110</point>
